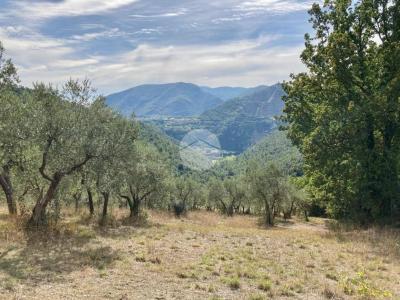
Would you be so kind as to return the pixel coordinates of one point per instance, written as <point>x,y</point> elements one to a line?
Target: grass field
<point>201,256</point>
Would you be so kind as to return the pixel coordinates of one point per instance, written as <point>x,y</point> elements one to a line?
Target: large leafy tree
<point>343,113</point>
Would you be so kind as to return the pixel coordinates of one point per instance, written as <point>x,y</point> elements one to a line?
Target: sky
<point>118,44</point>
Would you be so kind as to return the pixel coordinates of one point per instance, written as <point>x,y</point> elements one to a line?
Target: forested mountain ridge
<point>154,100</point>
<point>243,121</point>
<point>228,93</point>
<point>238,123</point>
<point>264,102</point>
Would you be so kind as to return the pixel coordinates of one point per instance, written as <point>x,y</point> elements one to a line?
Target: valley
<point>238,122</point>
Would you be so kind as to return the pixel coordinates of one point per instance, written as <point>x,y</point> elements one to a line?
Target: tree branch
<point>44,159</point>
<point>78,166</point>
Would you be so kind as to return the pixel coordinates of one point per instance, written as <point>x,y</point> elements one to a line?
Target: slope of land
<point>167,146</point>
<point>202,256</point>
<point>276,149</point>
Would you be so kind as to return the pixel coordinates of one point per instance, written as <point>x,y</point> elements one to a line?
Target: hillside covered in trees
<point>239,122</point>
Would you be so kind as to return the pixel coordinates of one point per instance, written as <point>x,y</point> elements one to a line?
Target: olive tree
<point>268,187</point>
<point>143,176</point>
<point>115,148</point>
<point>69,133</point>
<point>236,193</point>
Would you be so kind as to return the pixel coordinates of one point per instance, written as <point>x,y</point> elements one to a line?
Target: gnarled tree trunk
<point>6,185</point>
<point>134,204</point>
<point>39,211</point>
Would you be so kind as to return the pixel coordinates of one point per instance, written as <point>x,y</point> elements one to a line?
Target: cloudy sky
<point>122,43</point>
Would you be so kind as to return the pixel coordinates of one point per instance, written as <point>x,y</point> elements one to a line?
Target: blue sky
<point>122,43</point>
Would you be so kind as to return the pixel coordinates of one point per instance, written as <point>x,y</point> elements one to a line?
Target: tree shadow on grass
<point>49,259</point>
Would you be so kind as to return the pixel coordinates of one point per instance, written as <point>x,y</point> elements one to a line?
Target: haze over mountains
<point>238,116</point>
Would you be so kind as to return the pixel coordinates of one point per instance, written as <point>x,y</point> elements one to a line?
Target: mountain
<point>238,123</point>
<point>265,102</point>
<point>158,100</point>
<point>227,93</point>
<point>243,121</point>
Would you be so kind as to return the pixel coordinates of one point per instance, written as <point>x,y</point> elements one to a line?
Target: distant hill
<point>158,100</point>
<point>277,149</point>
<point>264,102</point>
<point>238,123</point>
<point>243,121</point>
<point>227,93</point>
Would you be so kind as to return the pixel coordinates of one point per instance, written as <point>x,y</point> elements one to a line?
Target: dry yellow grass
<point>201,256</point>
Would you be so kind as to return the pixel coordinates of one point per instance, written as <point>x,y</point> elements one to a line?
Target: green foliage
<point>166,146</point>
<point>275,148</point>
<point>14,133</point>
<point>142,177</point>
<point>360,285</point>
<point>8,72</point>
<point>269,188</point>
<point>342,113</point>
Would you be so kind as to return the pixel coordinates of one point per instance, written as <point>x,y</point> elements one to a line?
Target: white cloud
<point>37,10</point>
<point>273,6</point>
<point>177,13</point>
<point>241,63</point>
<point>114,32</point>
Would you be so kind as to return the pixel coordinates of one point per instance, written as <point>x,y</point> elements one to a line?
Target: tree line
<point>64,146</point>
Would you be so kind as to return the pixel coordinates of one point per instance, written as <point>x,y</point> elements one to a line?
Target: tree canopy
<point>343,113</point>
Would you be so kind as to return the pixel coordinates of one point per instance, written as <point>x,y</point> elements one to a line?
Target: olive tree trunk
<point>39,211</point>
<point>6,185</point>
